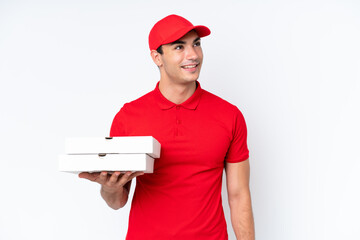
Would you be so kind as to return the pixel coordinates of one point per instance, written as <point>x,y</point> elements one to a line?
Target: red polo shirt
<point>182,198</point>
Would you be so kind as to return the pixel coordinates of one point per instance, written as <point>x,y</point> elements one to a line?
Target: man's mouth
<point>190,67</point>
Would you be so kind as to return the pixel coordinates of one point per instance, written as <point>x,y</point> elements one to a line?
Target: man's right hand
<point>115,187</point>
<point>110,182</point>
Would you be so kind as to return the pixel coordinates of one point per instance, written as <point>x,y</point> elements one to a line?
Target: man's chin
<point>192,78</point>
<point>190,81</point>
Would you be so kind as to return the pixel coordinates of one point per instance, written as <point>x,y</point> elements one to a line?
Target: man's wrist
<point>111,190</point>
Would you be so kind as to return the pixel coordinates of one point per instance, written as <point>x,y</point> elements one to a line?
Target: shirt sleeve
<point>118,126</point>
<point>238,150</point>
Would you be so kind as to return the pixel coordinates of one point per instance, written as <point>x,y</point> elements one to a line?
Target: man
<point>200,135</point>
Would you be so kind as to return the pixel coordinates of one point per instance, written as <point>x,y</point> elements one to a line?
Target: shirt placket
<point>177,120</point>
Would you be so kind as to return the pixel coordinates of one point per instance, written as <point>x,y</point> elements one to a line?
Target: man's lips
<point>190,67</point>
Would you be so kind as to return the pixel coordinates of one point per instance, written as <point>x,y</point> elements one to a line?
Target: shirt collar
<point>191,103</point>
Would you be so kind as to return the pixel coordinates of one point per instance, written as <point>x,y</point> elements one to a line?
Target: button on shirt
<point>182,198</point>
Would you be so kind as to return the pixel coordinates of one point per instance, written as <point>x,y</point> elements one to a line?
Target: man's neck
<point>177,93</point>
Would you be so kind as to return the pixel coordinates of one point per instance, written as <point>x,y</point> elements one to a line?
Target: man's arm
<point>237,180</point>
<point>115,188</point>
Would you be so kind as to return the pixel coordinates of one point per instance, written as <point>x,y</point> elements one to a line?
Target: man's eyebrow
<point>197,39</point>
<point>177,42</point>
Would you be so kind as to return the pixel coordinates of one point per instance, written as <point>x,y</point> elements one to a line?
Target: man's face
<point>182,59</point>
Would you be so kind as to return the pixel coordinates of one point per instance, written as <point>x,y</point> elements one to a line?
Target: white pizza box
<point>77,163</point>
<point>95,145</point>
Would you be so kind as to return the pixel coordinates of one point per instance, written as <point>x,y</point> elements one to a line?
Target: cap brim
<point>202,31</point>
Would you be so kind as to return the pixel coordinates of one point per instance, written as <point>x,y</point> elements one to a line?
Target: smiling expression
<point>181,60</point>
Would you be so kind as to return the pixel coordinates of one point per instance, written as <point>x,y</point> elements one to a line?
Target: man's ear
<point>156,57</point>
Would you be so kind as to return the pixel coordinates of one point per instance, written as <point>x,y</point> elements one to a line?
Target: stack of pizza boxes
<point>110,154</point>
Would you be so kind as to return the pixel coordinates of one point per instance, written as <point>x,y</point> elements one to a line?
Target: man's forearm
<point>116,199</point>
<point>242,216</point>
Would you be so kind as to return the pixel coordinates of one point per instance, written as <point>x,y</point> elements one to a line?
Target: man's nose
<point>191,53</point>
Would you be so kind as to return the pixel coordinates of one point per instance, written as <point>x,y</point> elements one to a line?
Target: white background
<point>292,67</point>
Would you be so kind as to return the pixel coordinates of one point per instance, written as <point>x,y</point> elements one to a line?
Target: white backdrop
<point>292,67</point>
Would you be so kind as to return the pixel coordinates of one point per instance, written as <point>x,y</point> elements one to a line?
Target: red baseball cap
<point>171,28</point>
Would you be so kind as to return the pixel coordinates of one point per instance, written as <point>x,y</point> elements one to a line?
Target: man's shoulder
<point>217,102</point>
<point>140,102</point>
<point>134,107</point>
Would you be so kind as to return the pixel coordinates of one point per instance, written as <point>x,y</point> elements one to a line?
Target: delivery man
<point>200,135</point>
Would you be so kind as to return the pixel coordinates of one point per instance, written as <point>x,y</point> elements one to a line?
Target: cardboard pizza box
<point>143,144</point>
<point>76,163</point>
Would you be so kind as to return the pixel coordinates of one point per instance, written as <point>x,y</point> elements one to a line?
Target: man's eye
<point>197,44</point>
<point>178,47</point>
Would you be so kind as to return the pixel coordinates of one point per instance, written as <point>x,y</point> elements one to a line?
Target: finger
<point>84,175</point>
<point>114,178</point>
<point>124,179</point>
<point>89,176</point>
<point>102,178</point>
<point>135,174</point>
